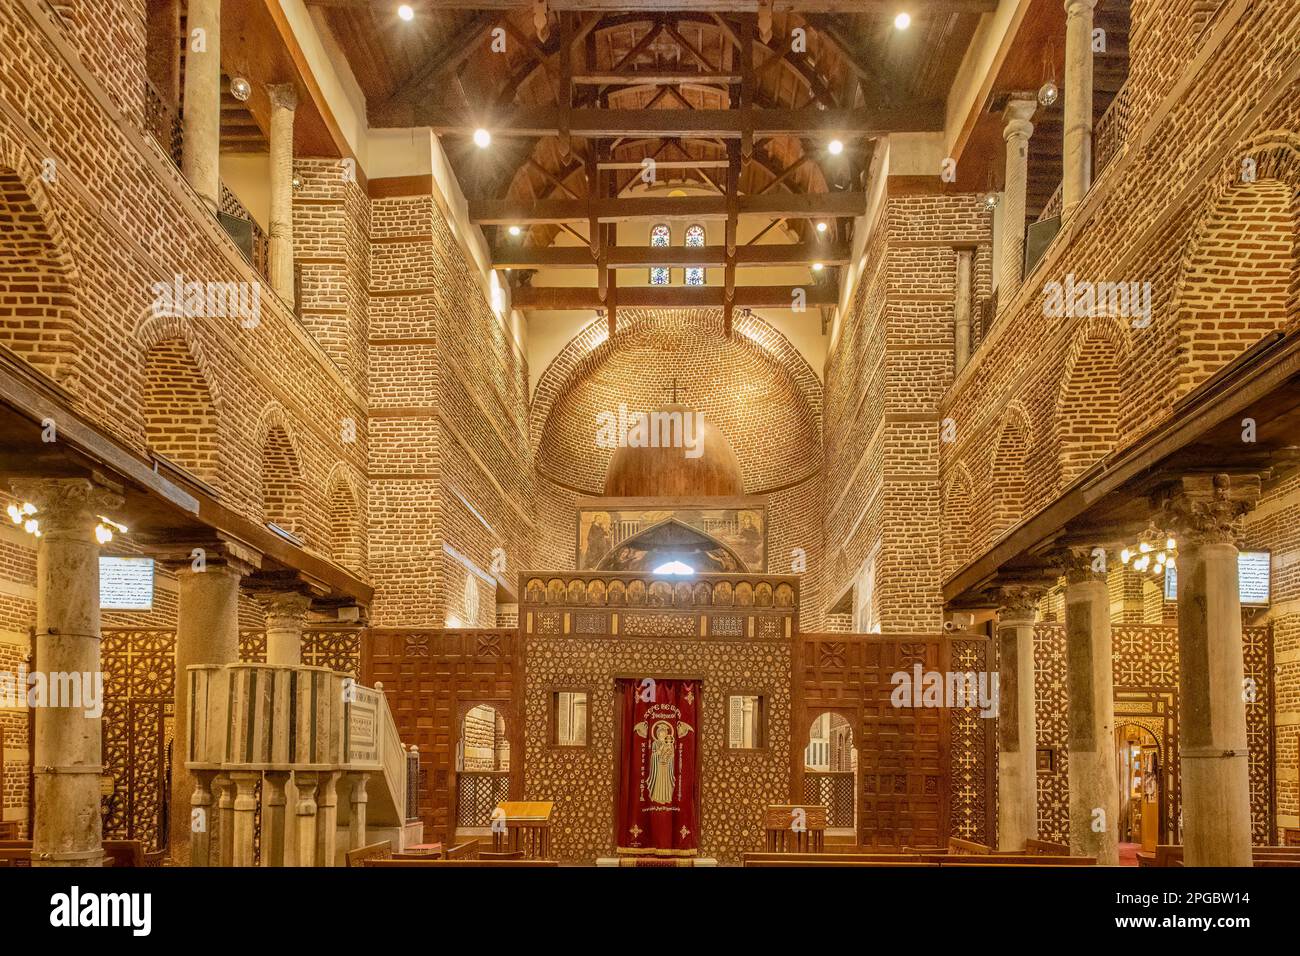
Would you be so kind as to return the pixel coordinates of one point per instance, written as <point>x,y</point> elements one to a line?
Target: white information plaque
<point>125,584</point>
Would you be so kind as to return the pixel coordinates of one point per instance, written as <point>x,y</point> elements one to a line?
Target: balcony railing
<point>163,122</point>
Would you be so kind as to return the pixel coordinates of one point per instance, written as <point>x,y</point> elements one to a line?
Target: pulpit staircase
<point>294,765</point>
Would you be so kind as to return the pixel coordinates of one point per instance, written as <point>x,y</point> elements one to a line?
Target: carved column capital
<point>1016,117</point>
<point>1018,602</point>
<point>1208,509</point>
<point>207,556</point>
<point>284,96</point>
<point>1079,565</point>
<point>286,609</point>
<point>1074,8</point>
<point>66,504</point>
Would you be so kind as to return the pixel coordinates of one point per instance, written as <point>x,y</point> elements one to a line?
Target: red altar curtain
<point>658,779</point>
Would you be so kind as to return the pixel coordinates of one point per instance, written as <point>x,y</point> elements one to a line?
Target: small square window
<point>569,718</point>
<point>746,715</point>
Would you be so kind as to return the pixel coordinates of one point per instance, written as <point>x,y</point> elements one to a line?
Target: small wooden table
<point>527,828</point>
<point>784,836</point>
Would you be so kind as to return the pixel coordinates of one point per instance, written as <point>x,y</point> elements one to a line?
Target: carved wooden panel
<point>905,754</point>
<point>431,679</point>
<point>139,671</point>
<point>735,785</point>
<point>139,695</point>
<point>1145,668</point>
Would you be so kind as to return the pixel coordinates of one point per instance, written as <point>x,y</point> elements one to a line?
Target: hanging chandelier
<point>1154,551</point>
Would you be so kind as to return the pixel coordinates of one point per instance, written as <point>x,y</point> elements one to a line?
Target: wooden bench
<point>1014,859</point>
<point>956,847</point>
<point>1046,848</point>
<point>371,851</point>
<point>429,861</point>
<point>15,857</point>
<point>117,853</point>
<point>818,861</point>
<point>913,860</point>
<point>464,851</point>
<point>1264,856</point>
<point>757,859</point>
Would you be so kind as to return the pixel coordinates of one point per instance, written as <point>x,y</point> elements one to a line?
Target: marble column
<point>327,818</point>
<point>224,787</point>
<point>1017,742</point>
<point>284,101</point>
<point>286,615</point>
<point>305,811</point>
<point>67,760</point>
<point>201,152</point>
<point>202,820</point>
<point>1205,514</point>
<point>1077,153</point>
<point>244,811</point>
<point>961,308</point>
<point>1016,132</point>
<point>1093,774</point>
<point>357,798</point>
<point>275,835</point>
<point>207,632</point>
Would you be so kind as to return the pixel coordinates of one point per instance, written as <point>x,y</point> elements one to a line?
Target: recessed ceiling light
<point>902,21</point>
<point>482,138</point>
<point>835,147</point>
<point>821,227</point>
<point>405,12</point>
<point>515,230</point>
<point>817,267</point>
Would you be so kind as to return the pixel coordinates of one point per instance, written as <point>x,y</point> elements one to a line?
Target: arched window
<point>660,238</point>
<point>695,240</point>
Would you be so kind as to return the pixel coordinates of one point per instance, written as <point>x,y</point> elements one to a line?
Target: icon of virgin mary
<point>662,749</point>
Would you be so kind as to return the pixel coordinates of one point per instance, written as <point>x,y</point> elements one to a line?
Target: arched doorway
<point>1141,761</point>
<point>830,772</point>
<point>482,766</point>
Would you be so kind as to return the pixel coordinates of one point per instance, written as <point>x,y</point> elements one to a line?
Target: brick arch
<point>1008,485</point>
<point>181,414</point>
<point>281,471</point>
<point>40,316</point>
<point>1238,279</point>
<point>1086,419</point>
<point>347,531</point>
<point>689,343</point>
<point>955,542</point>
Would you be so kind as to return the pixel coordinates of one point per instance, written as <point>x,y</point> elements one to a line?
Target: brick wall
<point>451,488</point>
<point>755,388</point>
<point>885,378</point>
<point>1201,204</point>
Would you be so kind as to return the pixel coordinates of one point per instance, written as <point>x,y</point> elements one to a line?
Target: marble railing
<point>252,726</point>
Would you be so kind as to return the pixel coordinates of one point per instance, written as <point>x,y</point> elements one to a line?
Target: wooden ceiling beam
<point>573,299</point>
<point>446,58</point>
<point>776,205</point>
<point>655,78</point>
<point>665,164</point>
<point>511,256</point>
<point>875,7</point>
<point>727,124</point>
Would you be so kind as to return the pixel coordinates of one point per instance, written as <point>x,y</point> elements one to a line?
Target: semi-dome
<point>678,454</point>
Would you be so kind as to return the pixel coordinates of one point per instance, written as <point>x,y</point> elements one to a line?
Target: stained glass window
<point>660,238</point>
<point>695,239</point>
